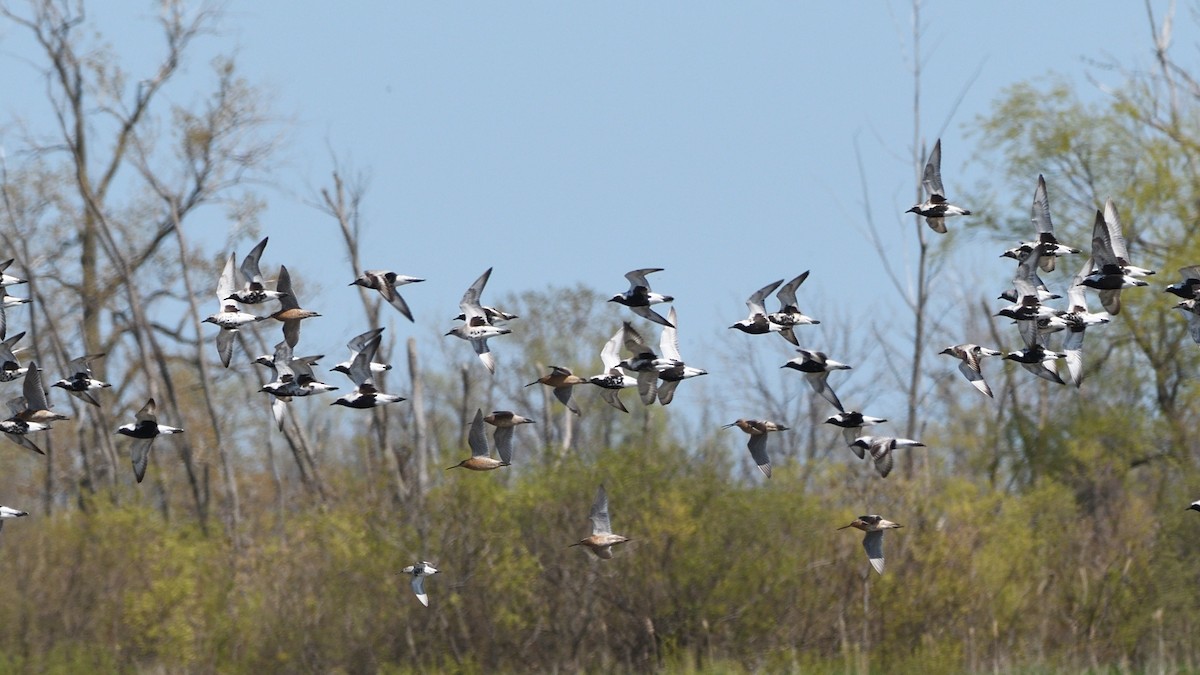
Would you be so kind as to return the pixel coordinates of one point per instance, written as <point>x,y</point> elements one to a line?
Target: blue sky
<point>570,142</point>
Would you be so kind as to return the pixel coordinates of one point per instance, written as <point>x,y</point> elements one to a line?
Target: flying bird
<point>758,430</point>
<point>816,368</point>
<point>613,379</point>
<point>881,448</point>
<point>80,380</point>
<point>365,394</point>
<point>293,377</point>
<point>639,297</point>
<point>505,421</point>
<point>873,541</point>
<point>143,432</point>
<point>1111,258</point>
<point>756,322</point>
<point>253,290</point>
<point>477,327</point>
<point>1041,219</point>
<point>231,317</point>
<point>481,456</point>
<point>356,345</point>
<point>386,282</point>
<point>970,356</point>
<point>851,423</point>
<point>418,572</point>
<point>10,368</point>
<point>562,381</point>
<point>935,209</point>
<point>602,539</point>
<point>789,315</point>
<point>289,312</point>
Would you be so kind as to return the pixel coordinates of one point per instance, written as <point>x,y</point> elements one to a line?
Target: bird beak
<point>731,424</point>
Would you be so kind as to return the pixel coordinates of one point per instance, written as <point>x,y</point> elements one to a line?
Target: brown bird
<point>758,430</point>
<point>481,459</point>
<point>289,309</point>
<point>505,421</point>
<point>561,380</point>
<point>602,539</point>
<point>873,542</point>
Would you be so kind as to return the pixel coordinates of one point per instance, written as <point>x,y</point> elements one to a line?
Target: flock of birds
<point>654,374</point>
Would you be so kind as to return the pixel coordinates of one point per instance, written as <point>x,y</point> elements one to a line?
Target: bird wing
<point>647,313</point>
<point>225,346</point>
<point>881,452</point>
<point>360,367</point>
<point>33,390</point>
<point>599,513</point>
<point>284,285</point>
<point>1102,245</point>
<point>279,410</point>
<point>787,293</point>
<point>1116,239</point>
<point>666,391</point>
<point>873,543</point>
<point>1073,348</point>
<point>485,354</point>
<point>359,341</point>
<point>477,438</point>
<point>250,271</point>
<point>1076,299</point>
<point>563,394</point>
<point>820,384</point>
<point>1041,208</point>
<point>6,351</point>
<point>634,341</point>
<point>470,300</point>
<point>225,285</point>
<point>418,586</point>
<point>756,301</point>
<point>970,369</point>
<point>139,452</point>
<point>758,451</point>
<point>931,179</point>
<point>647,386</point>
<point>638,277</point>
<point>613,398</point>
<point>668,344</point>
<point>20,440</point>
<point>396,300</point>
<point>610,355</point>
<point>504,443</point>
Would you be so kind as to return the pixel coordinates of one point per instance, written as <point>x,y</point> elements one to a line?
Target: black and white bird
<point>143,432</point>
<point>418,572</point>
<point>880,448</point>
<point>851,423</point>
<point>613,378</point>
<point>365,394</point>
<point>639,297</point>
<point>756,322</point>
<point>386,282</point>
<point>1051,249</point>
<point>293,377</point>
<point>1035,357</point>
<point>816,368</point>
<point>935,209</point>
<point>1189,287</point>
<point>1078,319</point>
<point>231,317</point>
<point>476,327</point>
<point>10,368</point>
<point>789,315</point>
<point>253,290</point>
<point>970,356</point>
<point>356,345</point>
<point>79,381</point>
<point>1110,256</point>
